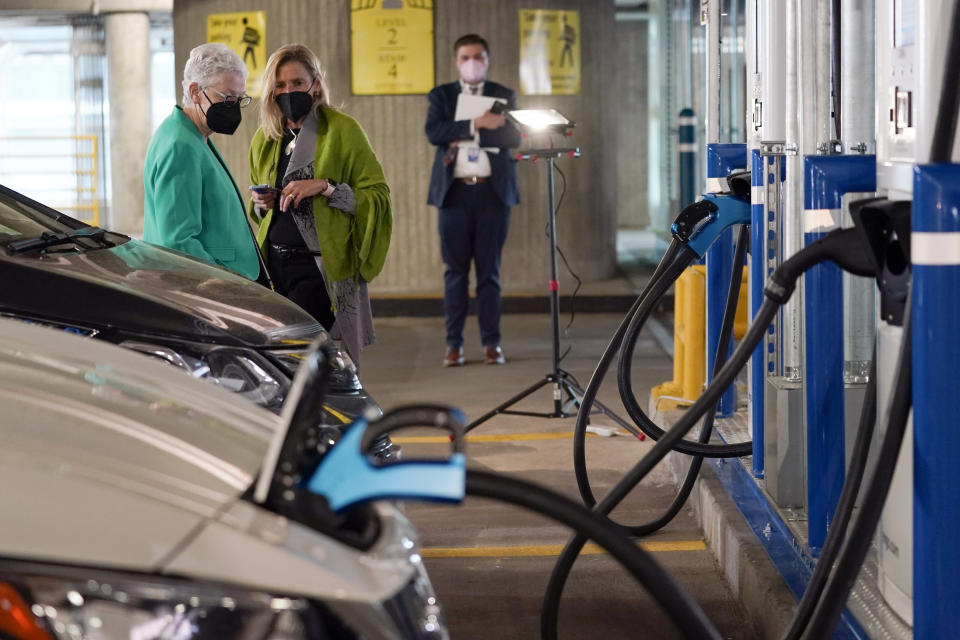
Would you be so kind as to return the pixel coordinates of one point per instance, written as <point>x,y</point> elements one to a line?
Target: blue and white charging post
<point>935,311</point>
<point>758,275</point>
<point>826,179</point>
<point>722,159</point>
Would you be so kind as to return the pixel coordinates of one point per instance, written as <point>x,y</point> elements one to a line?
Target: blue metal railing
<point>722,159</point>
<point>758,250</point>
<point>935,308</point>
<point>826,179</point>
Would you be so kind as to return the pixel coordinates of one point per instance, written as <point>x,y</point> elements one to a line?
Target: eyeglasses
<point>243,100</point>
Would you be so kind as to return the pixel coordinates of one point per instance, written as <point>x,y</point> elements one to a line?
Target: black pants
<point>296,276</point>
<point>473,226</point>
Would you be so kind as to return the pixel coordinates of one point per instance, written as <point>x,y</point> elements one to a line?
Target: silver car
<point>126,512</point>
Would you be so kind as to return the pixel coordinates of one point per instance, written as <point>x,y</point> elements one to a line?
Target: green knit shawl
<point>351,244</point>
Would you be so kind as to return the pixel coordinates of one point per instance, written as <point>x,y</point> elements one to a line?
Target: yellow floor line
<point>336,414</point>
<point>552,550</point>
<point>493,437</point>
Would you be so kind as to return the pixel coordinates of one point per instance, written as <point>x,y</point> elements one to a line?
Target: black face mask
<point>295,105</point>
<point>223,117</point>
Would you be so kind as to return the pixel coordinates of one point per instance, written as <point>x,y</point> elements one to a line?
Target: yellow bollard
<point>740,320</point>
<point>689,339</point>
<point>689,334</point>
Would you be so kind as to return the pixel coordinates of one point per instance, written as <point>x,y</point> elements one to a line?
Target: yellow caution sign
<point>391,45</point>
<point>549,52</point>
<point>246,34</point>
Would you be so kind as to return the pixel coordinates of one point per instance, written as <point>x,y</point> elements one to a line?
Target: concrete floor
<point>498,594</point>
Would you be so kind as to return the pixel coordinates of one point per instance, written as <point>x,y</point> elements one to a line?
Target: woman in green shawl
<point>321,197</point>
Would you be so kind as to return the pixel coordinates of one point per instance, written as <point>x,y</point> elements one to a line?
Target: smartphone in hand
<point>263,188</point>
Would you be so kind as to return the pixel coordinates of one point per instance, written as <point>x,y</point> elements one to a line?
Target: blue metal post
<point>722,159</point>
<point>826,179</point>
<point>758,261</point>
<point>935,254</point>
<point>687,148</point>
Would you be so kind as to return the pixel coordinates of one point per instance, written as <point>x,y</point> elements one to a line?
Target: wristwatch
<point>331,187</point>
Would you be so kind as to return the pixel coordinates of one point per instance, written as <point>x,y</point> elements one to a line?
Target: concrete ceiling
<point>84,6</point>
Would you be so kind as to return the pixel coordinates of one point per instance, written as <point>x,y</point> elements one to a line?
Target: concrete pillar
<point>128,73</point>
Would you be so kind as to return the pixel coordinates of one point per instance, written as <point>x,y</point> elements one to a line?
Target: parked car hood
<point>107,457</point>
<point>110,459</point>
<point>142,287</point>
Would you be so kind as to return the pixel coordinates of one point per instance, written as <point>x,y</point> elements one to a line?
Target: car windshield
<point>21,218</point>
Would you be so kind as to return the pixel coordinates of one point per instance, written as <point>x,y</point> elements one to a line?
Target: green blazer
<point>352,244</point>
<point>191,202</point>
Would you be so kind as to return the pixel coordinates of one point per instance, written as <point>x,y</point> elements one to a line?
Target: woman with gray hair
<point>192,203</point>
<point>324,204</point>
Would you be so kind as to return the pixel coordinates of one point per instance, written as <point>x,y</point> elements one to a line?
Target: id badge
<point>473,154</point>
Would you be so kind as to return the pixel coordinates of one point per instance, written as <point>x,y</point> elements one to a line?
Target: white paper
<point>470,106</point>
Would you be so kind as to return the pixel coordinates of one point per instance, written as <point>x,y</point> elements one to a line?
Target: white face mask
<point>473,71</point>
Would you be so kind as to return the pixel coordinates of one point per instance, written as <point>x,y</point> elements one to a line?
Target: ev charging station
<point>897,152</point>
<point>845,190</point>
<point>913,552</point>
<point>814,359</point>
<point>896,118</point>
<point>855,207</point>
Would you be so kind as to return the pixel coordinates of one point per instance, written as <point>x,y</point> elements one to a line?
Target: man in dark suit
<point>473,184</point>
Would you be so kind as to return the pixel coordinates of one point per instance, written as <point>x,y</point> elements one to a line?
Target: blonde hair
<point>271,118</point>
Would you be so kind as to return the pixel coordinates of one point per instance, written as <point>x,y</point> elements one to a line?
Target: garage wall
<point>587,220</point>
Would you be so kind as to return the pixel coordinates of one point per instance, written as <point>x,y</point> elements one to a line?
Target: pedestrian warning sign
<point>549,52</point>
<point>246,34</point>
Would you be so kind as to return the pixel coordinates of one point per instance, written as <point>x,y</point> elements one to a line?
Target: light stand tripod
<point>562,381</point>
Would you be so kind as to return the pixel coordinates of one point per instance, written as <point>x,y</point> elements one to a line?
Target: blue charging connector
<point>346,477</point>
<point>726,211</point>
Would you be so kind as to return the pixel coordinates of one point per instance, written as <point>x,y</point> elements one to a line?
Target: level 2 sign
<point>246,34</point>
<point>391,44</point>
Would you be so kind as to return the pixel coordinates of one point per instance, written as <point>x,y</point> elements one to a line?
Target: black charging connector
<point>691,218</point>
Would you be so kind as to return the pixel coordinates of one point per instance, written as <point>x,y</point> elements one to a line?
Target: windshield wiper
<point>48,239</point>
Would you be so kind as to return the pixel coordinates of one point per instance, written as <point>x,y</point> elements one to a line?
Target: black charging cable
<point>726,335</point>
<point>686,613</point>
<point>833,599</point>
<point>845,505</point>
<point>550,609</point>
<point>683,610</point>
<point>843,247</point>
<point>632,404</point>
<point>677,256</point>
<point>945,126</point>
